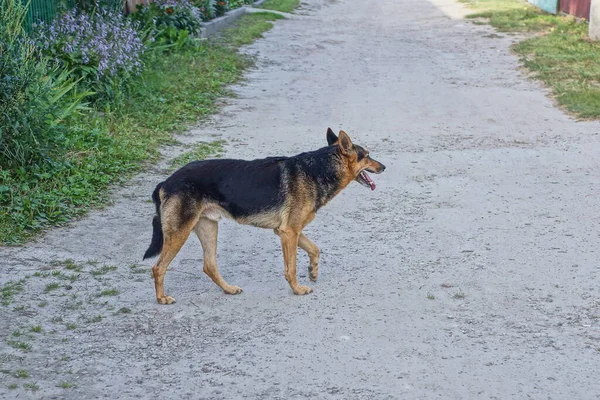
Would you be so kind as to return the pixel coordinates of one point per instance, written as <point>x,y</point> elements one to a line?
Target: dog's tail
<point>157,234</point>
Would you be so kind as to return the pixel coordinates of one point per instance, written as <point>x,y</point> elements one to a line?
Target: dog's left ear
<point>345,143</point>
<point>331,138</point>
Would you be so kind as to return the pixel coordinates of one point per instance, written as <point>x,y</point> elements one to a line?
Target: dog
<point>279,193</point>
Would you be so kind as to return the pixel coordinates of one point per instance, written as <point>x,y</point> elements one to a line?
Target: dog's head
<point>357,158</point>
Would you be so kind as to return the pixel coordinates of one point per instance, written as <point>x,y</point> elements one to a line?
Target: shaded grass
<point>561,55</point>
<point>107,147</point>
<point>280,5</point>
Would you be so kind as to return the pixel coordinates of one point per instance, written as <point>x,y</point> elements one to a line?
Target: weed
<point>31,386</point>
<point>125,310</point>
<point>105,269</point>
<point>13,386</point>
<point>430,296</point>
<point>9,290</point>
<point>19,345</point>
<point>21,373</point>
<point>71,326</point>
<point>136,269</point>
<point>51,286</point>
<point>65,385</point>
<point>109,292</point>
<point>36,328</point>
<point>459,295</point>
<point>97,318</point>
<point>57,320</point>
<point>17,333</point>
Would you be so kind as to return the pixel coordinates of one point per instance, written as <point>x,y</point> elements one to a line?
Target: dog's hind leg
<point>289,244</point>
<point>207,231</point>
<point>313,254</point>
<point>173,240</point>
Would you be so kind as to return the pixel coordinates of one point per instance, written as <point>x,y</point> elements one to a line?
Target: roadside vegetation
<point>558,52</point>
<point>80,112</point>
<point>280,5</point>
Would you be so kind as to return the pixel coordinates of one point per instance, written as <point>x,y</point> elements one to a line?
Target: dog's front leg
<point>289,245</point>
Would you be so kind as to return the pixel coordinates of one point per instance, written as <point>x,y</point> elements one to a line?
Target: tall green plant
<point>34,100</point>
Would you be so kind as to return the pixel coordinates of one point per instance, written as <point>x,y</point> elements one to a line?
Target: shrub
<point>101,48</point>
<point>221,7</point>
<point>207,9</point>
<point>34,100</point>
<point>171,21</point>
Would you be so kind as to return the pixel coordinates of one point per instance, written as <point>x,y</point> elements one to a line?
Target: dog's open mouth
<point>364,179</point>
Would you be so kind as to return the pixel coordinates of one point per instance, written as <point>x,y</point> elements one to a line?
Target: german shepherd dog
<point>279,193</point>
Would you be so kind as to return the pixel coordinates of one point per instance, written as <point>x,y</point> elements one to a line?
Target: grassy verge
<point>280,5</point>
<point>105,148</point>
<point>560,54</point>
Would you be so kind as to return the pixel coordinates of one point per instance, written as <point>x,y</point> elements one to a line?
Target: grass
<point>280,5</point>
<point>560,54</point>
<point>9,290</point>
<point>459,295</point>
<point>105,269</point>
<point>19,345</point>
<point>13,386</point>
<point>21,373</point>
<point>31,386</point>
<point>66,385</point>
<point>105,148</point>
<point>247,29</point>
<point>109,292</point>
<point>51,286</point>
<point>36,329</point>
<point>200,152</point>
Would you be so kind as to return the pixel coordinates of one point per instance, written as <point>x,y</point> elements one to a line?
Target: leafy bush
<point>103,48</point>
<point>34,100</point>
<point>170,21</point>
<point>207,9</point>
<point>221,7</point>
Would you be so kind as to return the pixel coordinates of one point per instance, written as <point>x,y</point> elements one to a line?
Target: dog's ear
<point>345,143</point>
<point>331,138</point>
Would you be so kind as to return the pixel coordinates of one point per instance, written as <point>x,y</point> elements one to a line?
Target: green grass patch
<point>561,55</point>
<point>19,345</point>
<point>66,385</point>
<point>247,29</point>
<point>107,147</point>
<point>31,386</point>
<point>51,287</point>
<point>9,290</point>
<point>109,292</point>
<point>200,152</point>
<point>103,270</point>
<point>36,329</point>
<point>21,373</point>
<point>280,5</point>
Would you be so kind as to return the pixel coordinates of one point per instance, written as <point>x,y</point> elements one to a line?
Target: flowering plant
<point>99,47</point>
<point>168,17</point>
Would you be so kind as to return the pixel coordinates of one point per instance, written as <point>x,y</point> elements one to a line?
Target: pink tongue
<point>369,181</point>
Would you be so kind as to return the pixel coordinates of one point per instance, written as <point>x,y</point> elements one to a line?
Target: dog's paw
<point>233,290</point>
<point>301,290</point>
<point>165,300</point>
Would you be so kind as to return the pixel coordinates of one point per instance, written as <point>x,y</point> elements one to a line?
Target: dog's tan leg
<point>207,231</point>
<point>289,244</point>
<point>313,253</point>
<point>173,240</point>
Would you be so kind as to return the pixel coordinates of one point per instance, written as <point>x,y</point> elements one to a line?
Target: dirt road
<point>470,273</point>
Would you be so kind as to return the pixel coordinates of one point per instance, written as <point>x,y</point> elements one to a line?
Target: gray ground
<point>471,272</point>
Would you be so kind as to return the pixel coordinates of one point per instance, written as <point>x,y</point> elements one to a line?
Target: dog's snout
<point>382,167</point>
